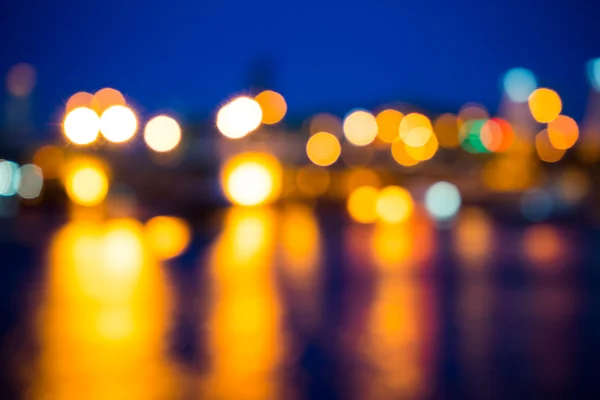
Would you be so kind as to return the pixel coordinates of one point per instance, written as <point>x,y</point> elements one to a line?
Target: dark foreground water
<point>288,304</point>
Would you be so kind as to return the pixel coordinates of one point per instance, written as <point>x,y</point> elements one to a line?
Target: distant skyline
<point>191,56</point>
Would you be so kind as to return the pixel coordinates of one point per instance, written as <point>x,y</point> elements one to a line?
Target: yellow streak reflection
<point>103,317</point>
<point>244,323</point>
<point>398,340</point>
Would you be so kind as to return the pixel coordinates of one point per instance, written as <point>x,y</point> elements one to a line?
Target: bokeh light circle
<point>87,185</point>
<point>563,132</point>
<point>273,106</point>
<point>323,149</point>
<point>81,126</point>
<point>388,125</point>
<point>415,129</point>
<point>251,179</point>
<point>162,133</point>
<point>31,182</point>
<point>361,204</point>
<point>518,84</point>
<point>545,105</point>
<point>442,200</point>
<point>167,237</point>
<point>360,127</point>
<point>394,205</point>
<point>118,124</point>
<point>239,117</point>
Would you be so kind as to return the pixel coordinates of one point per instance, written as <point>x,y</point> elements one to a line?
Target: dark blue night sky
<point>189,56</point>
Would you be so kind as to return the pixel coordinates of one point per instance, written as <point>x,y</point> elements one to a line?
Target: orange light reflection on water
<point>103,317</point>
<point>244,323</point>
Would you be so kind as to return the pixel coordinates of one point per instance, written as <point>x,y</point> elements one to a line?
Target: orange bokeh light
<point>273,106</point>
<point>563,132</point>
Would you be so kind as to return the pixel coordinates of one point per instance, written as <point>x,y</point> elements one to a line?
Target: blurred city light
<point>425,152</point>
<point>497,135</point>
<point>104,300</point>
<point>273,106</point>
<point>545,105</point>
<point>162,133</point>
<point>563,132</point>
<point>323,149</point>
<point>360,127</point>
<point>167,237</point>
<point>546,151</point>
<point>31,182</point>
<point>10,178</point>
<point>519,83</point>
<point>361,204</point>
<point>442,200</point>
<point>388,124</point>
<point>79,99</point>
<point>446,128</point>
<point>251,179</point>
<point>593,73</point>
<point>400,154</point>
<point>86,183</point>
<point>81,125</point>
<point>105,98</point>
<point>416,130</point>
<point>394,205</point>
<point>51,160</point>
<point>239,117</point>
<point>470,136</point>
<point>21,80</point>
<point>118,124</point>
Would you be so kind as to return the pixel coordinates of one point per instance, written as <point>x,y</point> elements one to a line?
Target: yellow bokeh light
<point>446,127</point>
<point>167,237</point>
<point>118,124</point>
<point>323,149</point>
<point>79,99</point>
<point>239,117</point>
<point>81,126</point>
<point>51,160</point>
<point>388,123</point>
<point>361,204</point>
<point>563,132</point>
<point>360,127</point>
<point>401,156</point>
<point>415,129</point>
<point>545,150</point>
<point>105,98</point>
<point>162,133</point>
<point>251,179</point>
<point>394,205</point>
<point>545,105</point>
<point>424,152</point>
<point>312,181</point>
<point>86,184</point>
<point>273,106</point>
